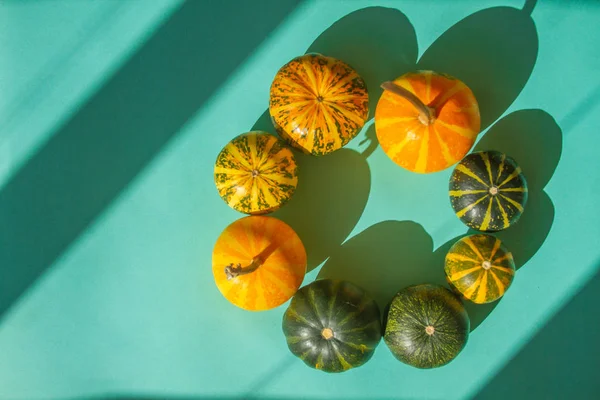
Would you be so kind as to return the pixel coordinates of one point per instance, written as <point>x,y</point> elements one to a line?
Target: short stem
<point>426,114</point>
<point>234,271</point>
<point>327,333</point>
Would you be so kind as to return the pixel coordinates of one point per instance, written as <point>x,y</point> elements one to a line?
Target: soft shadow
<point>385,258</point>
<point>380,43</point>
<point>534,140</point>
<point>333,190</point>
<point>331,196</point>
<point>560,360</point>
<point>391,255</point>
<point>493,51</point>
<point>93,156</point>
<point>477,312</point>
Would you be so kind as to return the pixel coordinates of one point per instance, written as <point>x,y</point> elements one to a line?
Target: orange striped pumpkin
<point>480,268</point>
<point>426,122</point>
<point>258,263</point>
<point>318,104</point>
<point>256,173</point>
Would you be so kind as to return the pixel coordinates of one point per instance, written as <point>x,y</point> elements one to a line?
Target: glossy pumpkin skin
<point>480,268</point>
<point>428,148</point>
<point>279,252</point>
<point>426,326</point>
<point>318,104</point>
<point>488,191</point>
<point>256,173</point>
<point>332,325</point>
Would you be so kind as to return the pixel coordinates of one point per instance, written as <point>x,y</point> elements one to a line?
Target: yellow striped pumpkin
<point>256,173</point>
<point>425,121</point>
<point>318,104</point>
<point>480,268</point>
<point>488,191</point>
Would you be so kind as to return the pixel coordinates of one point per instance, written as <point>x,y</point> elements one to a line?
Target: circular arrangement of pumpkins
<point>425,122</point>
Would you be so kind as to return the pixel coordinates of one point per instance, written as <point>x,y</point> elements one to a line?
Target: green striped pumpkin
<point>332,325</point>
<point>480,268</point>
<point>488,191</point>
<point>426,326</point>
<point>256,173</point>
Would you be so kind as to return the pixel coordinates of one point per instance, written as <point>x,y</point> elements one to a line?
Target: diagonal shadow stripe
<point>561,361</point>
<point>96,154</point>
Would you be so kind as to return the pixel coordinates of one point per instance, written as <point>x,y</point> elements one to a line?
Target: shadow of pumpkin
<point>493,51</point>
<point>534,140</point>
<point>333,190</point>
<point>330,198</point>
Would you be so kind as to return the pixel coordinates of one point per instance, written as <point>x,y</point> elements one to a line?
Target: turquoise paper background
<point>111,116</point>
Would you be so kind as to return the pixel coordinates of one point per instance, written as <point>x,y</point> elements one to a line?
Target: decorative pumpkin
<point>256,173</point>
<point>332,325</point>
<point>425,121</point>
<point>488,191</point>
<point>480,268</point>
<point>318,104</point>
<point>258,263</point>
<point>426,326</point>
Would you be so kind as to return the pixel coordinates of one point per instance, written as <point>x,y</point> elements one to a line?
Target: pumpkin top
<point>480,268</point>
<point>318,104</point>
<point>488,191</point>
<point>426,122</point>
<point>258,262</point>
<point>426,326</point>
<point>256,173</point>
<point>332,325</point>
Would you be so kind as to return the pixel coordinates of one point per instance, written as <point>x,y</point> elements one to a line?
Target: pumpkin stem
<point>233,271</point>
<point>426,114</point>
<point>327,333</point>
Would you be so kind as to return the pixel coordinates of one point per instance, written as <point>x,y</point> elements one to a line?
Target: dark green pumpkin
<point>332,325</point>
<point>426,326</point>
<point>488,191</point>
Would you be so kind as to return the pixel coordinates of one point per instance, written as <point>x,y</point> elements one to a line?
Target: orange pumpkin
<point>318,104</point>
<point>258,263</point>
<point>426,122</point>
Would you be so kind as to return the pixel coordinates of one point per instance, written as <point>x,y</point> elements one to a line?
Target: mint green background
<point>111,115</point>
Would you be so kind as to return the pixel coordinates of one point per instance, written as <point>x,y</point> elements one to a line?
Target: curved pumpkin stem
<point>235,271</point>
<point>232,271</point>
<point>426,114</point>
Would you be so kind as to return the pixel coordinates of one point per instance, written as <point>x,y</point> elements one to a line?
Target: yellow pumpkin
<point>426,122</point>
<point>318,104</point>
<point>256,173</point>
<point>258,263</point>
<point>480,268</point>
